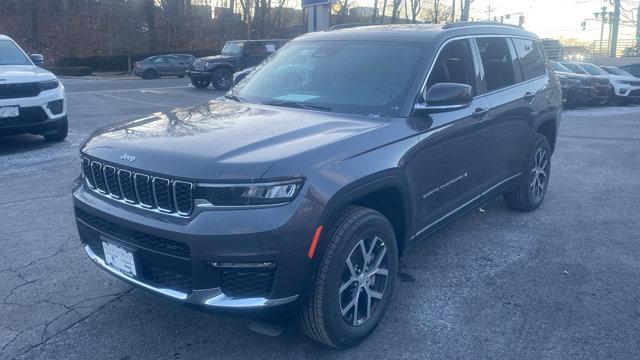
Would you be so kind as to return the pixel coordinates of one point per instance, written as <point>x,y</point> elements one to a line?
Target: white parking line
<point>120,90</point>
<point>134,100</point>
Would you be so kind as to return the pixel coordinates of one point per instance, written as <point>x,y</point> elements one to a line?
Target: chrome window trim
<point>475,36</point>
<point>155,198</point>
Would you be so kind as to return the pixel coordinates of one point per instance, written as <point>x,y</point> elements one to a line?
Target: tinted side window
<point>497,62</point>
<point>454,65</point>
<point>530,58</point>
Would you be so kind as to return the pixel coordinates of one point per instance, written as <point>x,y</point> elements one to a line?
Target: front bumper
<point>277,235</point>
<point>36,115</point>
<point>200,75</point>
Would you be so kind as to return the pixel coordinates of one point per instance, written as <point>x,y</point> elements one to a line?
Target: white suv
<point>32,100</point>
<point>625,89</point>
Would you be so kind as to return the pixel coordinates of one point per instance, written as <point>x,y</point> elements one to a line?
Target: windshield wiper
<point>234,97</point>
<point>295,104</point>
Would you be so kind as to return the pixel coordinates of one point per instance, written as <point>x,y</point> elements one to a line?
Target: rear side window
<point>530,58</point>
<point>497,62</point>
<point>454,65</point>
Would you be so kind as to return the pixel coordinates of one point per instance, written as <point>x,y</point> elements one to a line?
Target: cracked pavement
<point>561,282</point>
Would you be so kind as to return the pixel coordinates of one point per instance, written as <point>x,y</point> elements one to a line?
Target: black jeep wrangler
<point>235,56</point>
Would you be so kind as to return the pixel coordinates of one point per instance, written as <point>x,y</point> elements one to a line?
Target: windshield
<point>593,70</point>
<point>574,68</point>
<point>233,48</point>
<point>559,67</point>
<point>10,54</point>
<point>617,71</point>
<point>353,77</point>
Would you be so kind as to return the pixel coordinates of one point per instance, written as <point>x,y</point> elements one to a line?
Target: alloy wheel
<point>539,173</point>
<point>363,280</point>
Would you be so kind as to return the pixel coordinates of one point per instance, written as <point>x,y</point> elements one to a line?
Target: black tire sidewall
<point>343,334</point>
<point>215,79</point>
<point>149,74</point>
<point>201,84</point>
<point>540,142</point>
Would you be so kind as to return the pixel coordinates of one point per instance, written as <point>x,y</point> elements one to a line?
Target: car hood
<point>11,74</point>
<point>221,140</point>
<point>622,77</point>
<point>218,58</point>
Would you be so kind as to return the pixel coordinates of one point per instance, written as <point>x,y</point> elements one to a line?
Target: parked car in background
<point>602,88</point>
<point>623,89</point>
<point>188,57</point>
<point>300,197</point>
<point>32,100</point>
<point>235,56</point>
<point>577,89</point>
<point>162,65</point>
<point>633,69</point>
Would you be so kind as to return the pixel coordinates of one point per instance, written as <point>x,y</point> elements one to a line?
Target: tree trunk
<point>149,10</point>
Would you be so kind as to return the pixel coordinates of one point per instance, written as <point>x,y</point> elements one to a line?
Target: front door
<point>449,167</point>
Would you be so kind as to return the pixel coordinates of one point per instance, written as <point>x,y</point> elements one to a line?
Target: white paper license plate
<point>119,259</point>
<point>9,111</point>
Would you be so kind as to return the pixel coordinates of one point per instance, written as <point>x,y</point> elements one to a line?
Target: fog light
<point>56,106</point>
<point>624,91</point>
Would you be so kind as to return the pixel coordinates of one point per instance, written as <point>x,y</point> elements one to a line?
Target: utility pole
<point>603,15</point>
<point>453,11</point>
<point>638,30</point>
<point>614,28</point>
<point>489,9</point>
<point>465,10</point>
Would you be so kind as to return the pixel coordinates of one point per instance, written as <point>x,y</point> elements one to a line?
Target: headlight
<point>48,85</point>
<point>622,82</point>
<point>249,194</point>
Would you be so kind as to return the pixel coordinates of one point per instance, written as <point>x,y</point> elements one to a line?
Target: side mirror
<point>183,63</point>
<point>446,97</point>
<point>37,58</point>
<point>237,77</point>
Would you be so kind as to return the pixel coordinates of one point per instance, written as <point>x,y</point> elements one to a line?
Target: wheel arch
<point>549,129</point>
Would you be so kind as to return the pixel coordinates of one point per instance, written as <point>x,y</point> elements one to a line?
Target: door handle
<point>480,114</point>
<point>529,96</point>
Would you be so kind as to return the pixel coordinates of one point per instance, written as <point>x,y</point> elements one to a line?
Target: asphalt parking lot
<point>559,283</point>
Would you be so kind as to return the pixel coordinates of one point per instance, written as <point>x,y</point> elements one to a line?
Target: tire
<point>200,84</point>
<point>321,316</point>
<point>533,184</point>
<point>149,74</point>
<point>222,79</point>
<point>60,135</point>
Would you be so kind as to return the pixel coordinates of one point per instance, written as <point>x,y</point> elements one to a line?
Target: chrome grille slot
<point>126,185</point>
<point>143,190</point>
<point>98,177</point>
<point>162,194</point>
<point>138,189</point>
<point>112,181</point>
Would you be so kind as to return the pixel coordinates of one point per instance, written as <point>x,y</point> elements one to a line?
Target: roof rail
<point>346,26</point>
<point>478,23</point>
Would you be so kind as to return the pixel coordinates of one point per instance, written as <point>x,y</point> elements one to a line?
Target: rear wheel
<point>533,185</point>
<point>60,134</point>
<point>200,84</point>
<point>222,79</point>
<point>355,281</point>
<point>149,74</point>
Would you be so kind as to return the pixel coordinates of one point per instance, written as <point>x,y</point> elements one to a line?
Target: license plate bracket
<point>120,258</point>
<point>9,112</point>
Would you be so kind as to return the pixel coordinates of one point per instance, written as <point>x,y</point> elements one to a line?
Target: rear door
<point>162,66</point>
<point>512,110</point>
<point>450,163</point>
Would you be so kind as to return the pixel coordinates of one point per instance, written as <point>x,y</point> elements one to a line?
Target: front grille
<point>247,282</point>
<point>155,243</point>
<point>16,91</point>
<point>165,195</point>
<point>634,93</point>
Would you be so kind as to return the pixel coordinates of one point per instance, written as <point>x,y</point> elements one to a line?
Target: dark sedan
<point>164,65</point>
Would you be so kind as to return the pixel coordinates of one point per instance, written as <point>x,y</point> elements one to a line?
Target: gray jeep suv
<point>298,197</point>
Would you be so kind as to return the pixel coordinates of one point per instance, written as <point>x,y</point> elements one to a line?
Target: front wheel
<point>533,184</point>
<point>222,79</point>
<point>355,280</point>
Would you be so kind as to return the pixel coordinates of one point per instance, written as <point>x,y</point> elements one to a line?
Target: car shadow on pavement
<point>19,143</point>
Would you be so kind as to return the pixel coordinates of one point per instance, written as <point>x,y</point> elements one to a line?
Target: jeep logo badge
<point>128,157</point>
